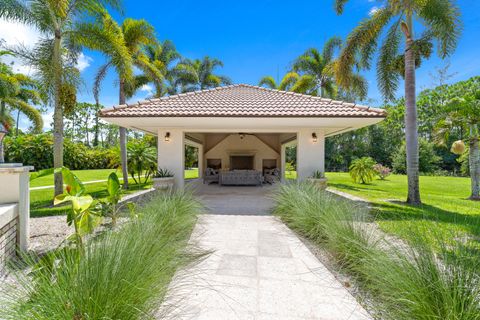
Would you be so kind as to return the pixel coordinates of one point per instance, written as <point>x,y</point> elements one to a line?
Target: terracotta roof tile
<point>241,101</point>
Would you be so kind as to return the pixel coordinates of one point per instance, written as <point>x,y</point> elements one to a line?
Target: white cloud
<point>83,62</point>
<point>373,10</point>
<point>47,120</point>
<point>13,33</point>
<point>147,88</point>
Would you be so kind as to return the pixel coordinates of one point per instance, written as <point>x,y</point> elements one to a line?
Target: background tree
<point>287,83</point>
<point>55,54</point>
<point>18,92</point>
<point>124,47</point>
<point>318,76</point>
<point>164,57</point>
<point>462,113</point>
<point>440,22</point>
<point>198,74</point>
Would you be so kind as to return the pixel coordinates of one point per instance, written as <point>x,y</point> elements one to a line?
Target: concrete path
<point>258,269</point>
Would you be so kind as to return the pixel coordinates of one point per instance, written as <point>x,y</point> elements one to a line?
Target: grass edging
<point>412,282</point>
<point>124,274</point>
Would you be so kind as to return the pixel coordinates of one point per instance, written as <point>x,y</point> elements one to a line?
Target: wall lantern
<point>3,133</point>
<point>242,135</point>
<point>167,137</point>
<point>314,137</point>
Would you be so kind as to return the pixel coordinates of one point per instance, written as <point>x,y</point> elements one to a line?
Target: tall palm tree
<point>163,56</point>
<point>55,54</point>
<point>317,72</point>
<point>198,74</point>
<point>17,92</point>
<point>124,46</point>
<point>287,84</point>
<point>440,22</point>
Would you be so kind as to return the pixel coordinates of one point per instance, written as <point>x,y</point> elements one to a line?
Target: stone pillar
<point>171,153</point>
<point>283,156</point>
<point>14,188</point>
<point>200,161</point>
<point>310,154</point>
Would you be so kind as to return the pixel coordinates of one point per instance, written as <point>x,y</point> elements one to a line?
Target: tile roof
<point>242,101</point>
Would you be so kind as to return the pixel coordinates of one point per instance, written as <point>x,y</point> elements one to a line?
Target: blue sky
<point>258,38</point>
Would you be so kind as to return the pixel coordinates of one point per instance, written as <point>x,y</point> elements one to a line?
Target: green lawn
<point>445,210</point>
<point>191,173</point>
<point>84,175</point>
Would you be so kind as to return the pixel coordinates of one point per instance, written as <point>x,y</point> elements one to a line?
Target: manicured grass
<point>191,173</point>
<point>41,200</point>
<point>445,209</point>
<point>84,175</point>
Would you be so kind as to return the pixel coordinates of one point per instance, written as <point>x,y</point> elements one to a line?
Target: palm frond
<point>268,82</point>
<point>339,5</point>
<point>387,76</point>
<point>304,84</point>
<point>329,48</point>
<point>443,20</point>
<point>31,112</point>
<point>289,81</point>
<point>97,83</point>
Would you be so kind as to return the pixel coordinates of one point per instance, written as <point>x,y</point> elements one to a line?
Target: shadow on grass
<point>403,212</point>
<point>359,187</point>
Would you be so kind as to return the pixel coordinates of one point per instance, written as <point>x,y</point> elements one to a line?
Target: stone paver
<point>258,269</point>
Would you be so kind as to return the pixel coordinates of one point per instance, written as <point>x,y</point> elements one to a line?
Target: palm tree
<point>17,92</point>
<point>440,22</point>
<point>163,56</point>
<point>198,74</point>
<point>463,112</point>
<point>54,56</point>
<point>124,46</point>
<point>288,82</point>
<point>318,76</point>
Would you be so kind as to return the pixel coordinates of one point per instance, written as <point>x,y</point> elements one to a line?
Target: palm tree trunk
<point>2,113</point>
<point>474,162</point>
<point>411,127</point>
<point>123,139</point>
<point>96,129</point>
<point>16,125</point>
<point>57,117</point>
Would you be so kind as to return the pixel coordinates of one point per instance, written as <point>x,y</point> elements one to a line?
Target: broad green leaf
<point>113,187</point>
<point>88,222</point>
<point>74,187</point>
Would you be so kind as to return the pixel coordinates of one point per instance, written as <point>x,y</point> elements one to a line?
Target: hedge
<point>37,150</point>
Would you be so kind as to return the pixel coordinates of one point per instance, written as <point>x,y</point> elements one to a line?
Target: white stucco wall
<point>171,153</point>
<point>249,145</point>
<point>310,155</point>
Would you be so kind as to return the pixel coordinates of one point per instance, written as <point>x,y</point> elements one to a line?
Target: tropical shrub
<point>361,170</point>
<point>142,160</point>
<point>110,207</point>
<point>124,273</point>
<point>428,158</point>
<point>408,281</point>
<point>382,171</point>
<point>163,173</point>
<point>82,214</point>
<point>317,174</point>
<point>37,150</point>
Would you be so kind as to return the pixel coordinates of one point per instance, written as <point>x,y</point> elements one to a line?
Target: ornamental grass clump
<point>123,274</point>
<point>403,281</point>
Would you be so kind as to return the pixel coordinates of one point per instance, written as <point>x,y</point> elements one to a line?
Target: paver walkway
<point>259,269</point>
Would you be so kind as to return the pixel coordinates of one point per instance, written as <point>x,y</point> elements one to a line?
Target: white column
<point>200,161</point>
<point>14,188</point>
<point>283,156</point>
<point>171,154</point>
<point>310,154</point>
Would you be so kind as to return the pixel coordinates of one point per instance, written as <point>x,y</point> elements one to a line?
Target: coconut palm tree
<point>17,92</point>
<point>462,112</point>
<point>124,47</point>
<point>54,56</point>
<point>198,74</point>
<point>163,56</point>
<point>317,73</point>
<point>287,84</point>
<point>440,23</point>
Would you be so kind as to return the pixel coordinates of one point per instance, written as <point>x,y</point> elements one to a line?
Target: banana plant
<point>82,213</point>
<point>110,207</point>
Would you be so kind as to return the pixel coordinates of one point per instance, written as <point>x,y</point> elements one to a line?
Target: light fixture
<point>167,136</point>
<point>314,137</point>
<point>3,132</point>
<point>242,135</point>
